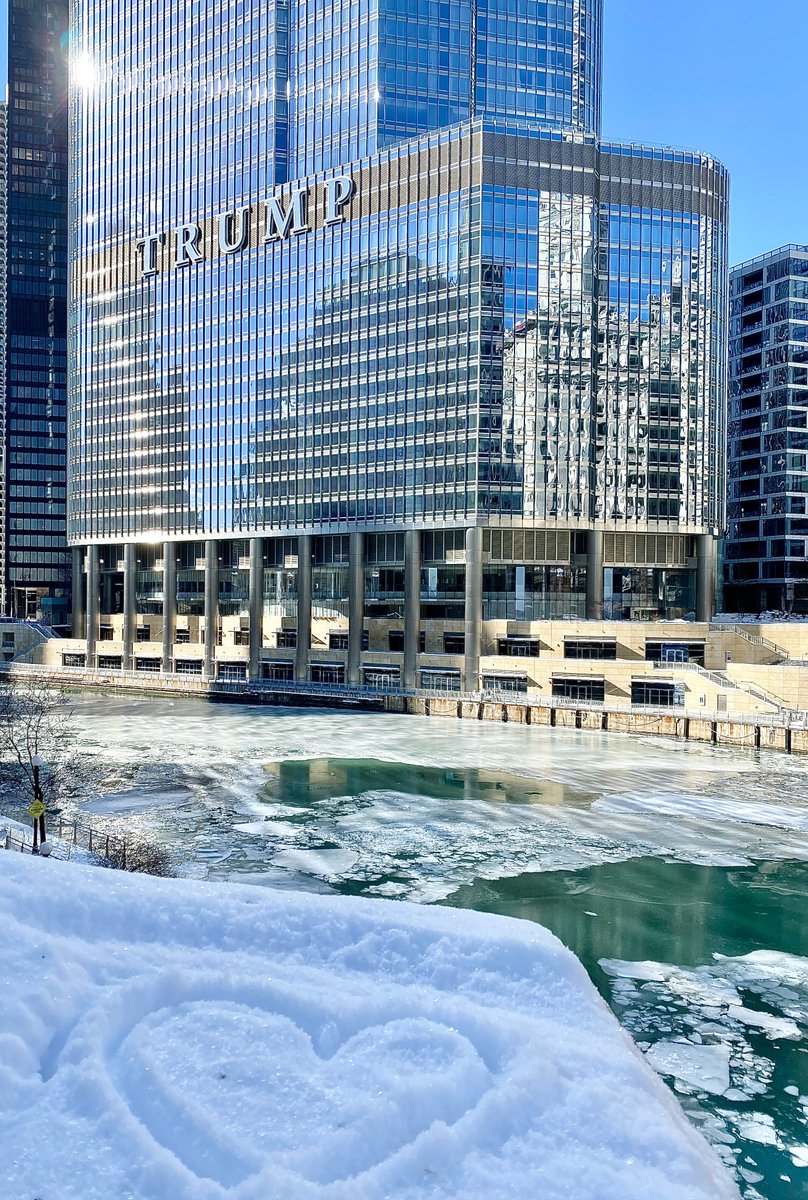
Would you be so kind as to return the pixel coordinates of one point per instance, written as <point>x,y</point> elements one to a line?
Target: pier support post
<point>77,592</point>
<point>93,584</point>
<point>211,606</point>
<point>594,575</point>
<point>705,577</point>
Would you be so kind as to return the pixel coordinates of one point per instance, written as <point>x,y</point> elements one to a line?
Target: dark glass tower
<point>766,560</point>
<point>38,577</point>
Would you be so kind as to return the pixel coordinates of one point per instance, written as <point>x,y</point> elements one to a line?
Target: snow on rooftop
<point>190,1041</point>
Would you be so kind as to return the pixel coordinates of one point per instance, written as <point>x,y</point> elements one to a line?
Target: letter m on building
<point>280,224</point>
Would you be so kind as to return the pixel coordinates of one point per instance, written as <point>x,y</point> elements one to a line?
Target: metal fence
<point>74,834</point>
<point>96,841</point>
<point>17,841</point>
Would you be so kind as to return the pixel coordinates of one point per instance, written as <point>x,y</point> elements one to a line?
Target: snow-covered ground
<point>772,616</point>
<point>176,1040</point>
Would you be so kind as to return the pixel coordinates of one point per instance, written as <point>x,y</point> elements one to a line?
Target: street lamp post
<point>37,762</point>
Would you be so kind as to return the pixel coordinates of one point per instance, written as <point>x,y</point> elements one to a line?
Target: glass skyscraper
<point>35,427</point>
<point>766,560</point>
<point>374,345</point>
<point>3,345</point>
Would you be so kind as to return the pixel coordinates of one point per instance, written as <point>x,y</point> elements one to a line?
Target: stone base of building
<point>670,664</point>
<point>456,609</point>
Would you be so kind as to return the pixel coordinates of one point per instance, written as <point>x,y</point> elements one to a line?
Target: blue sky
<point>723,76</point>
<point>718,75</point>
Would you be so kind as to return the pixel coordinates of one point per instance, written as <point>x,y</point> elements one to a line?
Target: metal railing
<point>721,679</point>
<point>757,640</point>
<point>46,630</point>
<point>17,841</point>
<point>522,699</point>
<point>754,639</point>
<point>717,678</point>
<point>96,841</point>
<point>72,833</point>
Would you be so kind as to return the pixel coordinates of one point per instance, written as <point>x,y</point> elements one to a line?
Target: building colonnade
<point>92,592</point>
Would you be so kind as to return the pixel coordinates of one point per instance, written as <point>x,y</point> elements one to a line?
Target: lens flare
<point>84,73</point>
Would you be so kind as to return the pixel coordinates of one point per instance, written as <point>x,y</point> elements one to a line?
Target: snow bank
<point>171,1040</point>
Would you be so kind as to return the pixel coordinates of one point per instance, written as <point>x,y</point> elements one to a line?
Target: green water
<point>651,911</point>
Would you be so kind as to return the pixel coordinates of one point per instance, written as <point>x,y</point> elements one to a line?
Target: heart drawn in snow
<point>233,1086</point>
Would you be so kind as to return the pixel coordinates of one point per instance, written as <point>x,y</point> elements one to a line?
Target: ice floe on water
<point>704,1066</point>
<point>416,807</point>
<point>706,1030</point>
<point>165,1038</point>
<point>709,808</point>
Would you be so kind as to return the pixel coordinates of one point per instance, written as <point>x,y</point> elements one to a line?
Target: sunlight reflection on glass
<point>84,73</point>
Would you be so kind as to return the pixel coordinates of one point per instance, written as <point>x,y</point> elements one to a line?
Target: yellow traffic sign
<point>36,809</point>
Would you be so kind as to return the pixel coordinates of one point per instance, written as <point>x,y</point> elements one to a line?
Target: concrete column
<point>474,608</point>
<point>129,604</point>
<point>705,576</point>
<point>594,575</point>
<point>77,593</point>
<point>93,584</point>
<point>169,604</point>
<point>412,606</point>
<point>256,605</point>
<point>356,606</point>
<point>304,550</point>
<point>211,606</point>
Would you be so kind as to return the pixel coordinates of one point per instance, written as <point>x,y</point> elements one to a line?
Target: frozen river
<point>677,872</point>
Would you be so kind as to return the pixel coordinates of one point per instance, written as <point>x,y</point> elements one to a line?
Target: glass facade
<point>358,269</point>
<point>37,558</point>
<point>463,351</point>
<point>3,351</point>
<point>363,76</point>
<point>766,562</point>
<point>658,438</point>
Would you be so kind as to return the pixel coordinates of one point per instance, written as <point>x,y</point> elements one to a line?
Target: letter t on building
<point>147,246</point>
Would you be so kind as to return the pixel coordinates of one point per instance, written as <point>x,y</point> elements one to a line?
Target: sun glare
<point>84,72</point>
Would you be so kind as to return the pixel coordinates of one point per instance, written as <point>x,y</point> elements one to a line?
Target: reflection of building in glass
<point>440,362</point>
<point>766,560</point>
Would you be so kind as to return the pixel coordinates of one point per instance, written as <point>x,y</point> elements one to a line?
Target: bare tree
<point>139,856</point>
<point>36,745</point>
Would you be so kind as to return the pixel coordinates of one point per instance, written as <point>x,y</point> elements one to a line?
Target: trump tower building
<point>378,355</point>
